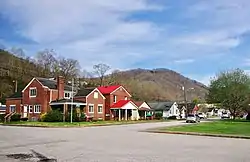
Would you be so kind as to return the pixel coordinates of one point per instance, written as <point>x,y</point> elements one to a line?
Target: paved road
<point>120,144</point>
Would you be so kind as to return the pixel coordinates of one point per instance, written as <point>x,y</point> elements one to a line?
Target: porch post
<point>119,114</point>
<point>126,114</point>
<point>64,115</point>
<point>145,115</point>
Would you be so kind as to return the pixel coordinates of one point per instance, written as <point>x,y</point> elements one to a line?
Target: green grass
<point>218,127</point>
<point>79,124</point>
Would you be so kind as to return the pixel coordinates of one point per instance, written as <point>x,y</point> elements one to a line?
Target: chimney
<point>60,87</point>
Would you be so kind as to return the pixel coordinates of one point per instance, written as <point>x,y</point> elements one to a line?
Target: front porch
<point>65,105</point>
<point>124,114</point>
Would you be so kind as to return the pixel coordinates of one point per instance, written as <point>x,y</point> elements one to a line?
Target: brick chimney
<point>60,87</point>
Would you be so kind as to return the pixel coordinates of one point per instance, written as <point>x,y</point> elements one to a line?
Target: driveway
<point>119,144</point>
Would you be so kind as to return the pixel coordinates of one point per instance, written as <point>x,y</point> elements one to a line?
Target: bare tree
<point>46,59</point>
<point>100,70</point>
<point>69,68</point>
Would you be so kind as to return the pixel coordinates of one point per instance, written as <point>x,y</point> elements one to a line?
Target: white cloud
<point>184,61</point>
<point>94,31</point>
<point>205,79</point>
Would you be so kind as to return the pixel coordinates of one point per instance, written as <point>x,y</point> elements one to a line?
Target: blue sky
<point>197,38</point>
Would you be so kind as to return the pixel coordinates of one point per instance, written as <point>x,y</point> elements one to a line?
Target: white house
<point>168,109</point>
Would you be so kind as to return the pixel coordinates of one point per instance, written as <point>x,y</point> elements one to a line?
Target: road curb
<point>198,134</point>
<point>76,126</point>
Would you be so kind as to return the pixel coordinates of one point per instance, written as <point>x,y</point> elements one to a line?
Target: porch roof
<point>144,109</point>
<point>67,102</point>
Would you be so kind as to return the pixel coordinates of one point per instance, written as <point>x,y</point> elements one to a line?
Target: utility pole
<point>15,81</point>
<point>72,101</point>
<point>185,98</point>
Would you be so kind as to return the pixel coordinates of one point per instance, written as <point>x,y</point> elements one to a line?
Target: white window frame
<point>100,105</point>
<point>67,97</point>
<point>37,107</point>
<point>93,108</point>
<point>31,108</point>
<point>114,98</point>
<point>11,107</point>
<point>32,88</point>
<point>96,95</point>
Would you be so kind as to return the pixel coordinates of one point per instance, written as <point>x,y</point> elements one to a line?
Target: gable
<point>130,106</point>
<point>33,83</point>
<point>144,105</point>
<point>121,90</point>
<point>96,90</point>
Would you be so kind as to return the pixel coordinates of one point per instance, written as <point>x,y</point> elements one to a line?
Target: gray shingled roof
<point>160,105</point>
<point>16,95</point>
<point>84,92</point>
<point>66,100</point>
<point>52,84</point>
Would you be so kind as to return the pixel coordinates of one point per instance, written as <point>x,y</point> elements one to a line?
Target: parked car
<point>225,115</point>
<point>192,118</point>
<point>202,115</point>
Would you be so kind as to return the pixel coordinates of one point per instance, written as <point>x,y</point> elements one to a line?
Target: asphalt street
<point>122,143</point>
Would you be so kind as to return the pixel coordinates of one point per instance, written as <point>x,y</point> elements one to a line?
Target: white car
<point>225,115</point>
<point>202,115</point>
<point>192,118</point>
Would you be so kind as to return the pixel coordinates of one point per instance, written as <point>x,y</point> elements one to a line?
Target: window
<point>126,98</point>
<point>12,108</point>
<point>176,111</point>
<point>95,94</point>
<point>99,108</point>
<point>37,109</point>
<point>114,99</point>
<point>30,109</point>
<point>91,108</point>
<point>33,92</point>
<point>66,95</point>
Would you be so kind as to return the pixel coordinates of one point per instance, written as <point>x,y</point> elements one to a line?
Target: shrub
<point>15,117</point>
<point>24,119</point>
<point>2,117</point>
<point>42,117</point>
<point>158,115</point>
<point>172,117</point>
<point>53,116</point>
<point>76,117</point>
<point>248,116</point>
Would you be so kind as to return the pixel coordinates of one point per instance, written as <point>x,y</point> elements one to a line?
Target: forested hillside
<point>149,85</point>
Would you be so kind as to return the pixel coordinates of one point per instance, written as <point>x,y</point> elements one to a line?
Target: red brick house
<point>14,102</point>
<point>90,101</point>
<point>113,94</point>
<point>35,98</point>
<point>42,94</point>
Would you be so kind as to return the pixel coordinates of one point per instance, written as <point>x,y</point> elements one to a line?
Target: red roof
<point>108,89</point>
<point>120,104</point>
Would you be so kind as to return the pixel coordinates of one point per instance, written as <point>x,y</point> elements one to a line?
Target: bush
<point>2,117</point>
<point>24,119</point>
<point>172,117</point>
<point>158,115</point>
<point>53,116</point>
<point>42,117</point>
<point>248,116</point>
<point>15,117</point>
<point>75,117</point>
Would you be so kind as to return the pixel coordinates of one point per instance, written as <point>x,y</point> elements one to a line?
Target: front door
<point>25,111</point>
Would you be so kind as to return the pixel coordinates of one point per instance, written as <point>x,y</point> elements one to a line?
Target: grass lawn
<point>79,124</point>
<point>218,127</point>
